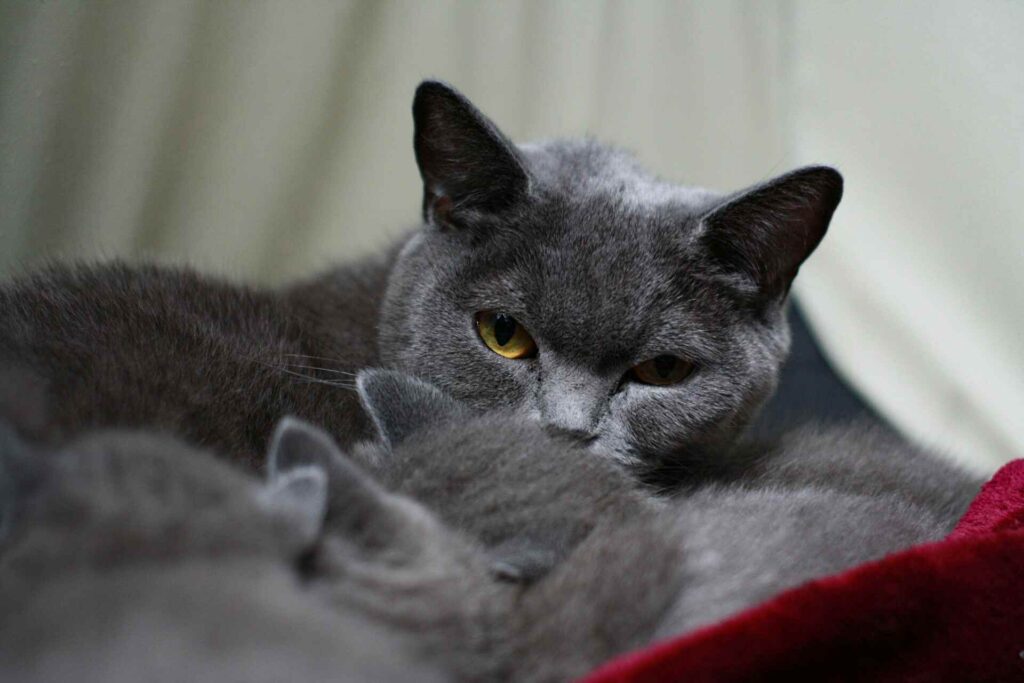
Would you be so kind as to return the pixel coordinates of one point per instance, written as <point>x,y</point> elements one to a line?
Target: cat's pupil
<point>504,328</point>
<point>663,365</point>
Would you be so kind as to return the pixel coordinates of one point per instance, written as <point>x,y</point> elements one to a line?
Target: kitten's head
<point>562,280</point>
<point>120,500</point>
<point>384,556</point>
<point>112,498</point>
<point>528,496</point>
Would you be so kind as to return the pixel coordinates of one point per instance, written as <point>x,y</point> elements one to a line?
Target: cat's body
<point>655,312</point>
<point>218,364</point>
<point>486,545</point>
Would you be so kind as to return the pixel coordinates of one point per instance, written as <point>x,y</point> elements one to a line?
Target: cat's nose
<point>568,416</point>
<point>571,401</point>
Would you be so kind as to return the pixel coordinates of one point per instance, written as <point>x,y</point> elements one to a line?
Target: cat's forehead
<point>596,267</point>
<point>600,224</point>
<point>584,168</point>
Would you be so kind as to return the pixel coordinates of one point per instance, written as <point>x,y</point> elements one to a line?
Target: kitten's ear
<point>766,232</point>
<point>466,163</point>
<point>312,481</point>
<point>401,405</point>
<point>298,462</point>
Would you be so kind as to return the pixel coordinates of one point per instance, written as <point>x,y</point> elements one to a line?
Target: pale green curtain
<point>918,291</point>
<point>263,140</point>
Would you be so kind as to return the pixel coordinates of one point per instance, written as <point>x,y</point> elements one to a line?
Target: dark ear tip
<point>825,180</point>
<point>432,93</point>
<point>434,88</point>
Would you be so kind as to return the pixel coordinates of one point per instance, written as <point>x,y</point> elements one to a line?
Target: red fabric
<point>952,610</point>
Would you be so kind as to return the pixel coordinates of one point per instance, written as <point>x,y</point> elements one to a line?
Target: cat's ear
<point>401,405</point>
<point>298,462</point>
<point>764,233</point>
<point>318,486</point>
<point>466,163</point>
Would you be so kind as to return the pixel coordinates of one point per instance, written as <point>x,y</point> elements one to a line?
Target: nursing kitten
<point>558,279</point>
<point>129,556</point>
<point>639,568</point>
<point>486,546</point>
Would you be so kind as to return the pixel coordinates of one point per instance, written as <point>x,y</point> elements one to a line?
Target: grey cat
<point>557,278</point>
<point>607,566</point>
<point>130,556</point>
<point>485,545</point>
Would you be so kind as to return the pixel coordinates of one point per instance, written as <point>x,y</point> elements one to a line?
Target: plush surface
<point>952,610</point>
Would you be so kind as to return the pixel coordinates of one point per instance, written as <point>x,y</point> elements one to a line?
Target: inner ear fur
<point>466,163</point>
<point>766,232</point>
<point>400,405</point>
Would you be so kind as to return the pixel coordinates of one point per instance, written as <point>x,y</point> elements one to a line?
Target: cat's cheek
<point>627,424</point>
<point>474,374</point>
<point>662,420</point>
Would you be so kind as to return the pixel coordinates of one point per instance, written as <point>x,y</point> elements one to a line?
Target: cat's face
<point>561,280</point>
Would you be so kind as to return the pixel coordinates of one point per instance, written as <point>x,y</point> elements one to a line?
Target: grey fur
<point>529,495</point>
<point>137,558</point>
<point>486,546</point>
<point>620,568</point>
<point>604,264</point>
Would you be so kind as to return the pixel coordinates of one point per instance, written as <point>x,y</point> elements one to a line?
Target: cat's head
<point>562,280</point>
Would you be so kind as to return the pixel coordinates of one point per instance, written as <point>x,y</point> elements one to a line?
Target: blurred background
<point>265,140</point>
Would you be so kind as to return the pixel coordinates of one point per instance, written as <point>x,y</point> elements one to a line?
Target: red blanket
<point>952,610</point>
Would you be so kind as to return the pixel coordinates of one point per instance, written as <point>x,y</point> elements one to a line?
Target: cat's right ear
<point>401,405</point>
<point>298,461</point>
<point>763,234</point>
<point>467,165</point>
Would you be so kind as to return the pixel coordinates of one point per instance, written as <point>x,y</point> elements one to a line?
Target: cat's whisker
<point>321,369</point>
<point>340,384</point>
<point>309,357</point>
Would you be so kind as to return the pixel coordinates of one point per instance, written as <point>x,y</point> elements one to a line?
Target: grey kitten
<point>486,545</point>
<point>129,556</point>
<point>639,568</point>
<point>557,278</point>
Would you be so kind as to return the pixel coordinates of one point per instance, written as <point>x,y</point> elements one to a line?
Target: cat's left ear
<point>400,405</point>
<point>467,164</point>
<point>298,460</point>
<point>764,233</point>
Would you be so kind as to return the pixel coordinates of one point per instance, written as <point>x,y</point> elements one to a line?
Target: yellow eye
<point>663,370</point>
<point>504,335</point>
